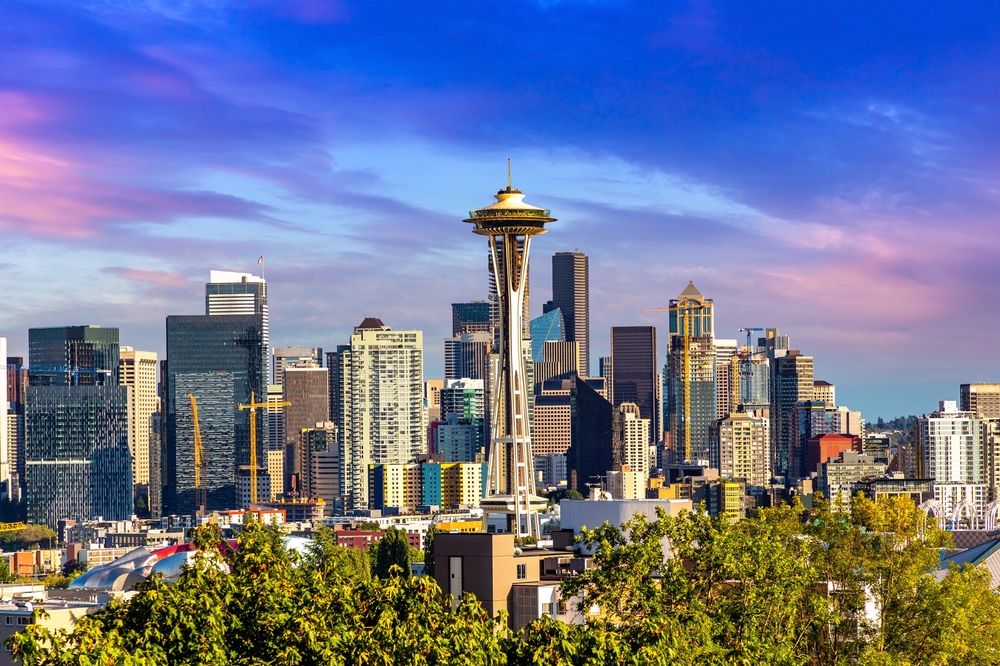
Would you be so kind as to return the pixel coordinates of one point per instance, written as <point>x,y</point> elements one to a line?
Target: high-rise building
<point>78,465</point>
<point>156,465</point>
<point>295,357</point>
<point>6,485</point>
<point>382,403</point>
<point>726,377</point>
<point>471,317</point>
<point>825,392</point>
<point>222,361</point>
<point>691,380</point>
<point>137,370</point>
<point>754,371</point>
<point>562,360</point>
<point>275,419</point>
<point>307,389</point>
<point>596,437</point>
<point>635,441</point>
<point>321,456</point>
<point>953,453</point>
<point>604,370</point>
<point>461,436</point>
<point>571,295</point>
<point>547,328</point>
<point>510,224</point>
<point>73,356</point>
<point>276,473</point>
<point>467,355</point>
<point>432,408</point>
<point>983,399</point>
<point>333,366</point>
<point>230,293</point>
<point>792,384</point>
<point>17,384</point>
<point>741,448</point>
<point>633,372</point>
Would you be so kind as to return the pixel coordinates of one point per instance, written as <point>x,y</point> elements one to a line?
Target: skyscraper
<point>547,328</point>
<point>471,317</point>
<point>633,372</point>
<point>467,355</point>
<point>73,356</point>
<point>793,383</point>
<point>17,384</point>
<point>231,293</point>
<point>691,378</point>
<point>6,486</point>
<point>222,361</point>
<point>983,399</point>
<point>290,357</point>
<point>382,403</point>
<point>953,453</point>
<point>307,389</point>
<point>571,295</point>
<point>510,224</point>
<point>596,437</point>
<point>562,359</point>
<point>726,377</point>
<point>78,462</point>
<point>137,370</point>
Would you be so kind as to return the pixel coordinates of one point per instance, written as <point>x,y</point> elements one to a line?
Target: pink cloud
<point>156,278</point>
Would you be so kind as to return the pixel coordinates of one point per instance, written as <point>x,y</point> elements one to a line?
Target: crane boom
<point>253,438</point>
<point>199,492</point>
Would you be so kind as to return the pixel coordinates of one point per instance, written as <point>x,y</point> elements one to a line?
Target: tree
<point>557,496</point>
<point>393,549</point>
<point>32,536</point>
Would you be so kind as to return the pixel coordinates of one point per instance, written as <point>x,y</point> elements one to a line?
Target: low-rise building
<point>838,478</point>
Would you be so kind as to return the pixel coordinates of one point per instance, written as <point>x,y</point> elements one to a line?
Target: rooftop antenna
<point>509,186</point>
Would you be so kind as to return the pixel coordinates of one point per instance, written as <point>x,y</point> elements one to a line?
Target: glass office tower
<point>232,348</point>
<point>73,356</point>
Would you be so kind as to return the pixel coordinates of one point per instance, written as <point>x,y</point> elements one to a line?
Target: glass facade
<point>547,328</point>
<point>78,465</point>
<point>470,317</point>
<point>222,360</point>
<point>633,373</point>
<point>73,356</point>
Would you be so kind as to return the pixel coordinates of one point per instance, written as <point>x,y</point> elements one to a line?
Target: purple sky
<point>829,169</point>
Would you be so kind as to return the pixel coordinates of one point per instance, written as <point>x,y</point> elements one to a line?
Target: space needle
<point>509,225</point>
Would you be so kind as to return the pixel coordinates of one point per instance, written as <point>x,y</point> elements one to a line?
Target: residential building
<point>982,399</point>
<point>6,483</point>
<point>306,389</point>
<point>78,463</point>
<point>636,449</point>
<point>382,398</point>
<point>953,452</point>
<point>394,486</point>
<point>137,370</point>
<point>633,373</point>
<point>839,476</point>
<point>459,439</point>
<point>221,360</point>
<point>741,448</point>
<point>276,473</point>
<point>17,384</point>
<point>547,328</point>
<point>626,483</point>
<point>449,485</point>
<point>571,296</point>
<point>243,485</point>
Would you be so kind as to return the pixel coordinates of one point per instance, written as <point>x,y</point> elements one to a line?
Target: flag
<point>261,260</point>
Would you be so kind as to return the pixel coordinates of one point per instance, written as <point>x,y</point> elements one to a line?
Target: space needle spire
<point>509,225</point>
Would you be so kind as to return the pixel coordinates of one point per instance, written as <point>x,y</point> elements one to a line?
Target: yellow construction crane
<point>253,406</point>
<point>200,494</point>
<point>685,326</point>
<point>12,527</point>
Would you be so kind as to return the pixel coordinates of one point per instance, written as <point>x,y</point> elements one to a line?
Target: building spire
<point>510,185</point>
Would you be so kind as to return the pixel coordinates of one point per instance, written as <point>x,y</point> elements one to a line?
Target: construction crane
<point>12,527</point>
<point>749,331</point>
<point>200,494</point>
<point>685,326</point>
<point>253,406</point>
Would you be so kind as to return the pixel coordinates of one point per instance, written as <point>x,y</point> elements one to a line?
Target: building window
<point>522,571</point>
<point>10,620</point>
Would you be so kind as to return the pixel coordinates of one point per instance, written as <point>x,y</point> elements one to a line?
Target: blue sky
<point>826,168</point>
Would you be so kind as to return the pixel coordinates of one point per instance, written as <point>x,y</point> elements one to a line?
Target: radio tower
<point>509,224</point>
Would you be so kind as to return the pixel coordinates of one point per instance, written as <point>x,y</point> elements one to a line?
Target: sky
<point>830,169</point>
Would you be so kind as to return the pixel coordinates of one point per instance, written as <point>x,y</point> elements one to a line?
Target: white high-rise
<point>232,293</point>
<point>137,370</point>
<point>382,385</point>
<point>953,454</point>
<point>635,440</point>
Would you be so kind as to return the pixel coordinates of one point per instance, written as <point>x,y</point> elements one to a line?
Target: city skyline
<point>840,194</point>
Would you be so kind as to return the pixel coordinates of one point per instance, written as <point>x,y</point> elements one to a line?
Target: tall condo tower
<point>509,225</point>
